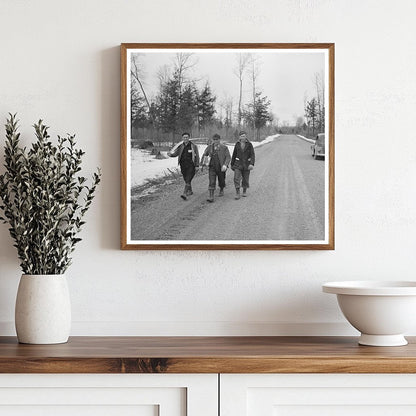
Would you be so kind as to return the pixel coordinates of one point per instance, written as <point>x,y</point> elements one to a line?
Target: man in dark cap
<point>219,159</point>
<point>242,162</point>
<point>188,160</point>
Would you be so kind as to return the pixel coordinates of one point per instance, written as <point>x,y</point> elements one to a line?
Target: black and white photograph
<point>227,146</point>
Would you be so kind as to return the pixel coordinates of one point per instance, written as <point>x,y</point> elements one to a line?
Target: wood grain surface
<point>206,355</point>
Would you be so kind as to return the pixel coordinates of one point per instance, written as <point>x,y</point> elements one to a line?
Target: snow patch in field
<point>144,166</point>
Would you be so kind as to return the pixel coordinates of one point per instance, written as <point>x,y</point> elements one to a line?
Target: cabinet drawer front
<point>318,394</point>
<point>109,395</point>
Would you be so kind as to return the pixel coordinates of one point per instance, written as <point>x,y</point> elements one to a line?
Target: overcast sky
<point>284,76</point>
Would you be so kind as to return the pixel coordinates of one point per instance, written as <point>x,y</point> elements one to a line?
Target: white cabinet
<point>317,394</point>
<point>109,394</point>
<point>197,394</point>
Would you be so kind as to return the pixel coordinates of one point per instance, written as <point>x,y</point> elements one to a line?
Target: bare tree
<point>243,60</point>
<point>299,123</point>
<point>320,99</point>
<point>163,75</point>
<point>183,62</point>
<point>227,105</point>
<point>276,122</point>
<point>138,74</point>
<point>254,71</point>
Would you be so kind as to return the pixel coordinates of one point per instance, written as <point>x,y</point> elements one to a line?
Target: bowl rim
<point>371,288</point>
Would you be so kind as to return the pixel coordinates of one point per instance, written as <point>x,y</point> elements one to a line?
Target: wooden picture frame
<point>294,211</point>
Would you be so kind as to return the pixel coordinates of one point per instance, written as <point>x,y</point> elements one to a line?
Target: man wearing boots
<point>219,159</point>
<point>188,160</point>
<point>242,163</point>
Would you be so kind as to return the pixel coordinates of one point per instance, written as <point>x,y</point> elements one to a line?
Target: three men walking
<point>217,158</point>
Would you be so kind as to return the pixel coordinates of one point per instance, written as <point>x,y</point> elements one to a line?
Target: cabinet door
<point>108,395</point>
<point>318,394</point>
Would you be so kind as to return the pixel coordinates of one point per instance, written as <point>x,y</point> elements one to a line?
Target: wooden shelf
<point>206,355</point>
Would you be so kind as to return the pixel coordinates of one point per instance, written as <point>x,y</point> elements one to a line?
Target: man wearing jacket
<point>242,163</point>
<point>188,160</point>
<point>219,159</point>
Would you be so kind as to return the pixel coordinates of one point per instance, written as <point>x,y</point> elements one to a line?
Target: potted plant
<point>44,199</point>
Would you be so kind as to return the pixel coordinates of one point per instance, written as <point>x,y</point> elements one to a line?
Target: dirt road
<point>286,201</point>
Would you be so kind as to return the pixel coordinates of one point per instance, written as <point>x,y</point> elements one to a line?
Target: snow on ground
<point>266,140</point>
<point>144,166</point>
<point>305,138</point>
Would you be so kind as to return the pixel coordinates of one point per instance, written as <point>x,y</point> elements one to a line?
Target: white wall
<point>60,62</point>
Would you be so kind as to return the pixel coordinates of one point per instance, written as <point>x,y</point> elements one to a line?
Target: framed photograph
<point>227,146</point>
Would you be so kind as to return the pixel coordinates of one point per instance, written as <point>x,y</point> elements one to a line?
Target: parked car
<point>318,148</point>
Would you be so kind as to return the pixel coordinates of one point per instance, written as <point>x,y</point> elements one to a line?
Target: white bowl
<point>381,311</point>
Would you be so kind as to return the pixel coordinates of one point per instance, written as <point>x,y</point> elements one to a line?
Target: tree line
<point>184,103</point>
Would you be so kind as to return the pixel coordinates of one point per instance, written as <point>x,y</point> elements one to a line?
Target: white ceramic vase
<point>43,309</point>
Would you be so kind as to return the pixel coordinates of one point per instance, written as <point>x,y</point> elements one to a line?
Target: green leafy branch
<point>44,198</point>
